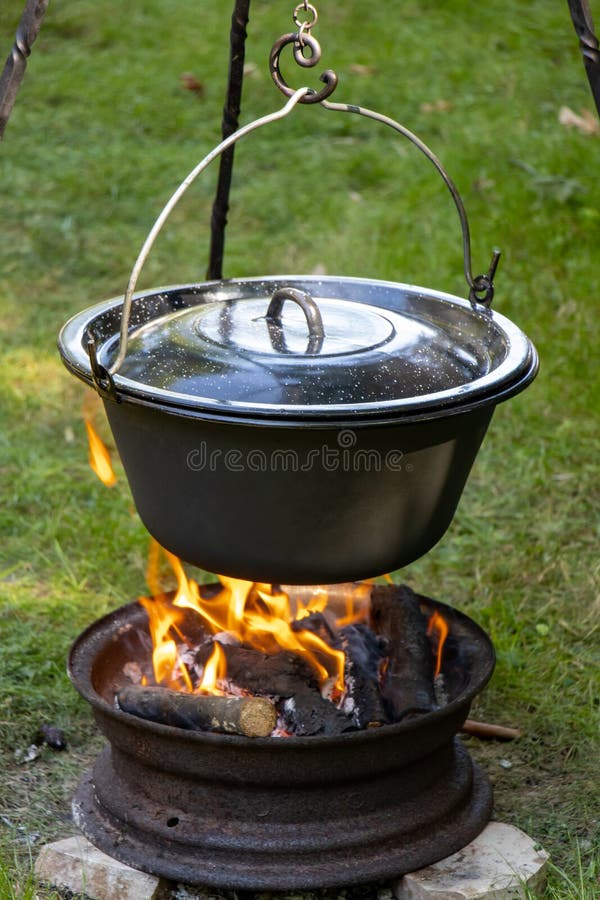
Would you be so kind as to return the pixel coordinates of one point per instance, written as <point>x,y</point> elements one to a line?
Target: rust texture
<point>277,813</point>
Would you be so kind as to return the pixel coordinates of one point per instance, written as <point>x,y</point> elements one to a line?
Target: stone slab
<point>500,864</point>
<point>75,865</point>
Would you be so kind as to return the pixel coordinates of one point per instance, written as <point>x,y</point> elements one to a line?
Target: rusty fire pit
<point>279,813</point>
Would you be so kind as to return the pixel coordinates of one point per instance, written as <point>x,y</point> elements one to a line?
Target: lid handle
<point>311,311</point>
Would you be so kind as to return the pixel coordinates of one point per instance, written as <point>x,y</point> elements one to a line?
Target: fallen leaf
<point>586,123</point>
<point>437,106</point>
<point>359,69</point>
<point>483,184</point>
<point>189,82</point>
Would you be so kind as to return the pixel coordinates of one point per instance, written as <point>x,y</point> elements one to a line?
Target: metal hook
<point>482,289</point>
<point>103,380</point>
<point>329,78</point>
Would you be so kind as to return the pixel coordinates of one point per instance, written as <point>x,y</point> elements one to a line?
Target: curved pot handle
<point>481,287</point>
<point>311,312</point>
<point>164,215</point>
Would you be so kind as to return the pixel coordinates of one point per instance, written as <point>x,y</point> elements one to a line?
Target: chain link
<point>307,54</point>
<point>304,26</point>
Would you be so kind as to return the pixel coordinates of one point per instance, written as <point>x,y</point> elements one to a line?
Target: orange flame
<point>214,671</point>
<point>438,624</point>
<point>99,456</point>
<point>259,615</point>
<point>168,667</point>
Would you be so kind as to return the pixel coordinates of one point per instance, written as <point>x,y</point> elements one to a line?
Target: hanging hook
<point>482,287</point>
<point>329,78</point>
<point>102,378</point>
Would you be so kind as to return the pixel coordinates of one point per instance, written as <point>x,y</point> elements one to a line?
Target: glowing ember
<point>438,625</point>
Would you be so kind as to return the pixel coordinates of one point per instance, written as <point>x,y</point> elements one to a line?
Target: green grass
<point>102,132</point>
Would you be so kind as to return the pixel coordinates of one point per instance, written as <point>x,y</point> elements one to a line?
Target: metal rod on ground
<point>492,732</point>
<point>15,65</point>
<point>588,44</point>
<point>231,112</point>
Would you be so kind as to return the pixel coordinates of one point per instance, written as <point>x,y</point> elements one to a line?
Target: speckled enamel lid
<point>351,347</point>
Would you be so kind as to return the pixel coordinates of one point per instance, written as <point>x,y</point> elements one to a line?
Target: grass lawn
<point>103,131</point>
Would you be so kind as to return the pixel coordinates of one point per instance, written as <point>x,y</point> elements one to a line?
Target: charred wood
<point>286,676</point>
<point>363,657</point>
<point>308,713</point>
<point>248,716</point>
<point>319,623</point>
<point>279,674</point>
<point>406,678</point>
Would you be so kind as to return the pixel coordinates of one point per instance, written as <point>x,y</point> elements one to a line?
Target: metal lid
<point>350,347</point>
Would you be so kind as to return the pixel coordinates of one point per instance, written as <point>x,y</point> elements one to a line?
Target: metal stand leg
<point>14,68</point>
<point>231,112</point>
<point>588,43</point>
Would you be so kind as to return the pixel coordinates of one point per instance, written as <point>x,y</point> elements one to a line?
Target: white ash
<point>327,689</point>
<point>232,690</point>
<point>187,658</point>
<point>227,638</point>
<point>439,690</point>
<point>347,703</point>
<point>133,672</point>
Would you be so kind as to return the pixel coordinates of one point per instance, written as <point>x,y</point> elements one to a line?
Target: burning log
<point>279,674</point>
<point>248,716</point>
<point>407,679</point>
<point>318,623</point>
<point>363,656</point>
<point>308,713</point>
<point>287,676</point>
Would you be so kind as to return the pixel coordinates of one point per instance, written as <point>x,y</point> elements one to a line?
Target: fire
<point>215,670</point>
<point>261,616</point>
<point>438,624</point>
<point>99,457</point>
<point>166,662</point>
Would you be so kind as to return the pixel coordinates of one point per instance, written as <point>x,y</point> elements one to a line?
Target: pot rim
<point>512,375</point>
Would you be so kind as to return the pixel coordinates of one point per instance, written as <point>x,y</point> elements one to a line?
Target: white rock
<point>76,865</point>
<point>500,864</point>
